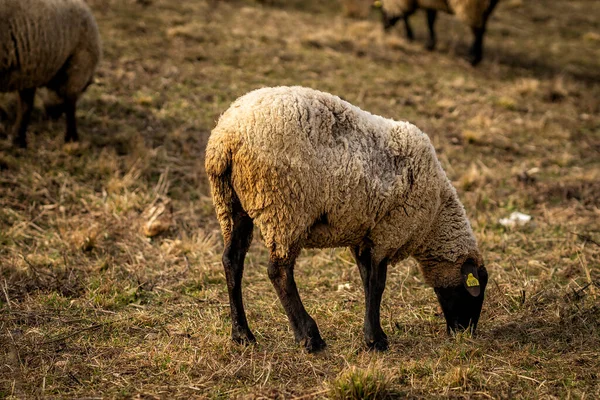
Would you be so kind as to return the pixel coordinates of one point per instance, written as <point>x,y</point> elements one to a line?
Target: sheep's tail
<point>218,168</point>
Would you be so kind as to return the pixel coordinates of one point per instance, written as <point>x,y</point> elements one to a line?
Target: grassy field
<point>92,307</point>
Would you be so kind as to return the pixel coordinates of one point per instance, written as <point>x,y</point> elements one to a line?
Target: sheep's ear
<point>470,278</point>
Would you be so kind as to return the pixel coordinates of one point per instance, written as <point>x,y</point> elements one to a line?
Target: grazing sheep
<point>313,171</point>
<point>473,13</point>
<point>52,43</point>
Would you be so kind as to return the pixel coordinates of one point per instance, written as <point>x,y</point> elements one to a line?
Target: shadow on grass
<point>520,63</point>
<point>66,281</point>
<point>543,67</point>
<point>579,327</point>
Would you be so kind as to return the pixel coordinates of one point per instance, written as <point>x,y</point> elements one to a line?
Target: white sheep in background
<point>473,13</point>
<point>313,171</point>
<point>51,43</point>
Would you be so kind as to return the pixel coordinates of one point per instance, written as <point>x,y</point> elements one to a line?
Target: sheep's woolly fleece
<point>313,170</point>
<point>469,12</point>
<point>38,37</point>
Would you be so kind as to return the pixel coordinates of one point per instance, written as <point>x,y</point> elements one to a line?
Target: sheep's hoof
<point>379,344</point>
<point>430,45</point>
<point>314,344</point>
<point>243,337</point>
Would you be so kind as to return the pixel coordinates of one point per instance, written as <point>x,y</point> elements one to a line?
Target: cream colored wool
<point>313,170</point>
<point>40,37</point>
<point>470,12</point>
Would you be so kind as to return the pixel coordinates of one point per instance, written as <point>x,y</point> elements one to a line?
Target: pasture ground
<point>90,307</point>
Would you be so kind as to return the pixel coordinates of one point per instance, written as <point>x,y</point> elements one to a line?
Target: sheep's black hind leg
<point>281,273</point>
<point>70,108</point>
<point>431,15</point>
<point>233,263</point>
<point>26,97</point>
<point>373,278</point>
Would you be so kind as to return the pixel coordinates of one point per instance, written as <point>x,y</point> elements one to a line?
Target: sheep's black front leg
<point>70,108</point>
<point>431,15</point>
<point>26,97</point>
<point>409,33</point>
<point>373,277</point>
<point>476,52</point>
<point>233,263</point>
<point>281,273</point>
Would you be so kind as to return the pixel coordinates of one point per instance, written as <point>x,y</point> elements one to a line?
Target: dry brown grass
<point>97,302</point>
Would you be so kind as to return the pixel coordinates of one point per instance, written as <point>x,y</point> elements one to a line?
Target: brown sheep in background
<point>51,43</point>
<point>473,13</point>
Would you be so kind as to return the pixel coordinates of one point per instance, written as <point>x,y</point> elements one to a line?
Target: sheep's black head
<point>462,304</point>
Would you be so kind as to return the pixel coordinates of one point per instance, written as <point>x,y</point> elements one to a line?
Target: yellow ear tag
<point>472,281</point>
<point>377,3</point>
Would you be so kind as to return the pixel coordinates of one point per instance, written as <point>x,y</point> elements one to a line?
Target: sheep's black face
<point>462,304</point>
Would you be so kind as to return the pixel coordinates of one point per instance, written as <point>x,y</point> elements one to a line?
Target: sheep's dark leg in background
<point>26,97</point>
<point>431,14</point>
<point>281,273</point>
<point>373,277</point>
<point>233,263</point>
<point>409,33</point>
<point>476,53</point>
<point>489,10</point>
<point>70,108</point>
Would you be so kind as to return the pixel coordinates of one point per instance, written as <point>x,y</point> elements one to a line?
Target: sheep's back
<point>282,122</point>
<point>307,132</point>
<point>37,37</point>
<point>305,161</point>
